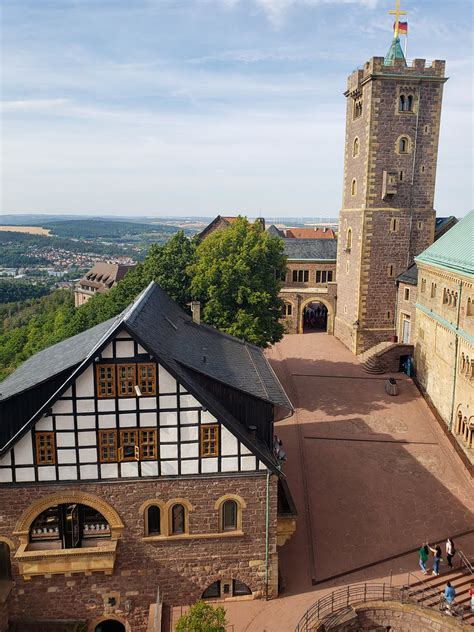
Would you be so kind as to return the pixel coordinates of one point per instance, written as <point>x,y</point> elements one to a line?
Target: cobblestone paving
<point>372,477</point>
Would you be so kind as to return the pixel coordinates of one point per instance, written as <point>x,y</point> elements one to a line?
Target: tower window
<point>357,109</point>
<point>406,294</point>
<point>405,103</point>
<point>394,225</point>
<point>390,270</point>
<point>410,103</point>
<point>388,315</point>
<point>422,169</point>
<point>355,147</point>
<point>349,240</point>
<point>354,187</point>
<point>401,103</point>
<point>401,175</point>
<point>403,145</point>
<point>420,225</point>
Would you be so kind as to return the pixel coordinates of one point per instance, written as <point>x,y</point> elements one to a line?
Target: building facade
<point>100,279</point>
<point>309,285</point>
<point>444,343</point>
<point>137,457</point>
<point>387,216</point>
<point>405,315</point>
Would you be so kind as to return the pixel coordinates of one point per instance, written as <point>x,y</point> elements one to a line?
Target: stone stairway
<point>370,361</point>
<point>427,591</point>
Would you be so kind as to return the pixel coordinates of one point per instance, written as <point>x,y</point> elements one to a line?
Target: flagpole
<point>406,42</point>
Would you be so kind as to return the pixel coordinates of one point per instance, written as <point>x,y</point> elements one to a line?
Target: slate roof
<point>311,249</point>
<point>409,276</point>
<point>273,231</point>
<point>53,360</point>
<point>454,250</point>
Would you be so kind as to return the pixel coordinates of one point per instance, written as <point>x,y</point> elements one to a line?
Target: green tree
<point>202,617</point>
<point>236,277</point>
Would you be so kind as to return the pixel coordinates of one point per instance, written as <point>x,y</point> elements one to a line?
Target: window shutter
<point>120,454</point>
<point>137,453</point>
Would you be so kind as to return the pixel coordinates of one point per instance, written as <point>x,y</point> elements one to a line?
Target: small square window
<point>209,440</point>
<point>126,374</point>
<point>105,380</point>
<point>147,378</point>
<point>45,448</point>
<point>107,446</point>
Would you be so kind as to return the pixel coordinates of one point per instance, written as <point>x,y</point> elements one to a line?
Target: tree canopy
<point>202,617</point>
<point>236,276</point>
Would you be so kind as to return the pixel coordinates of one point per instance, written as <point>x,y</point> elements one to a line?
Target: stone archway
<point>108,623</point>
<point>316,298</point>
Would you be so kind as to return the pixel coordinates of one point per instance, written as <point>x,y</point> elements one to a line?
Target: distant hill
<point>106,229</point>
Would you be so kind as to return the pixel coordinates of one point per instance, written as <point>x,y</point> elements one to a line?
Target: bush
<point>202,617</point>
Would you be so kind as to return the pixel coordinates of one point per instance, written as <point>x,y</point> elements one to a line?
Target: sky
<point>199,107</point>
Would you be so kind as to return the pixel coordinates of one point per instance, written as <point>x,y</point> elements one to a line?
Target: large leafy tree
<point>202,617</point>
<point>236,276</point>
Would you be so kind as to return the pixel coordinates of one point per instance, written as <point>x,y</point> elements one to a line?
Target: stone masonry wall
<point>181,568</point>
<point>407,307</point>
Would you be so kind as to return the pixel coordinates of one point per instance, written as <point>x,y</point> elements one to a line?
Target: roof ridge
<point>257,372</point>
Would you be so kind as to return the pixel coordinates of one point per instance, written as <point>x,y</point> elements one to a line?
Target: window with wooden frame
<point>105,374</point>
<point>126,378</point>
<point>129,449</point>
<point>209,440</point>
<point>178,519</point>
<point>229,511</point>
<point>107,446</point>
<point>147,378</point>
<point>148,444</point>
<point>45,448</point>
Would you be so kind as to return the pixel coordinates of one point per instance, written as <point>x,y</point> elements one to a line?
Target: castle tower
<point>387,217</point>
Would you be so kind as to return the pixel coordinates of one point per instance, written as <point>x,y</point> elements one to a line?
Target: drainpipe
<point>455,373</point>
<point>267,533</point>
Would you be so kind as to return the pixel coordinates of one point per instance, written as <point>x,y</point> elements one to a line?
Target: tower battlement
<point>376,67</point>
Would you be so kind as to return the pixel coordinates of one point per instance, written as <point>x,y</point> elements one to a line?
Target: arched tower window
<point>355,147</point>
<point>410,103</point>
<point>402,103</point>
<point>403,145</point>
<point>349,240</point>
<point>354,187</point>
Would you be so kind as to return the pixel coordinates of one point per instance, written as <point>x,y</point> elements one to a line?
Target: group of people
<point>449,593</point>
<point>316,317</point>
<point>424,554</point>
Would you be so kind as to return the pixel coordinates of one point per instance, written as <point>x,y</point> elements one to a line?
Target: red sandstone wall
<point>182,568</point>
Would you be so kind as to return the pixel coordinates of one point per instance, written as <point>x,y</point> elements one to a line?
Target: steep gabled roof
<point>273,231</point>
<point>184,347</point>
<point>311,249</point>
<point>454,250</point>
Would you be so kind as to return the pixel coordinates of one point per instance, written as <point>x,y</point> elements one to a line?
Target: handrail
<point>352,594</point>
<point>465,561</point>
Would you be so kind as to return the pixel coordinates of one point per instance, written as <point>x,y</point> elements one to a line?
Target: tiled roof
<point>311,249</point>
<point>455,249</point>
<point>105,274</point>
<point>410,275</point>
<point>311,233</point>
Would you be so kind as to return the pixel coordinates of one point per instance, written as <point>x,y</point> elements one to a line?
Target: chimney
<point>196,312</point>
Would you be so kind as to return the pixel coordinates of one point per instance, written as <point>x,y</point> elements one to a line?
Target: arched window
<point>355,147</point>
<point>455,299</point>
<point>349,240</point>
<point>354,187</point>
<point>463,362</point>
<point>178,519</point>
<point>403,145</point>
<point>410,103</point>
<point>153,520</point>
<point>469,307</point>
<point>68,526</point>
<point>402,103</point>
<point>229,515</point>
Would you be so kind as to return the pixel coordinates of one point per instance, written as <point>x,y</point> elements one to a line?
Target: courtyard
<point>372,476</point>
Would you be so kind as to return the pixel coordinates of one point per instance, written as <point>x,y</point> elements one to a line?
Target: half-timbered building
<point>138,456</point>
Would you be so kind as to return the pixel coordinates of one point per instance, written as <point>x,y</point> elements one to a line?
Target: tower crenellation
<point>391,145</point>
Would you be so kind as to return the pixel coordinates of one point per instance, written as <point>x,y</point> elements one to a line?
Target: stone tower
<point>387,217</point>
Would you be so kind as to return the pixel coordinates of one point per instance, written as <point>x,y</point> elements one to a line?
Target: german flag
<point>402,28</point>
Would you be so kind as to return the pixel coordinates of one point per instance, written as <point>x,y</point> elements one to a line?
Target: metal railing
<point>343,598</point>
<point>466,562</point>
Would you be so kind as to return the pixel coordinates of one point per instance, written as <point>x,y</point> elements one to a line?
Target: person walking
<point>436,550</point>
<point>449,595</point>
<point>424,554</point>
<point>450,551</point>
<point>471,594</point>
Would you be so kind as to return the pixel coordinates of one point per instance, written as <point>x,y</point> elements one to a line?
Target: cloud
<point>33,105</point>
<point>276,10</point>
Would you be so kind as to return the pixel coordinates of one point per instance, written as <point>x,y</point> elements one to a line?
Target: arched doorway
<point>110,625</point>
<point>316,314</point>
<point>315,317</point>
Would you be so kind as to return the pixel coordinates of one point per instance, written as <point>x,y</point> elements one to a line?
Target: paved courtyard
<point>372,476</point>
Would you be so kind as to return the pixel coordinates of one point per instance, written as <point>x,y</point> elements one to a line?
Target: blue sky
<point>195,107</point>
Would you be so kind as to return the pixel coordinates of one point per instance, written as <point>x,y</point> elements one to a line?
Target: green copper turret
<point>394,52</point>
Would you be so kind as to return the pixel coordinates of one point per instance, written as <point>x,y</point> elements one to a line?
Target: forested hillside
<point>12,290</point>
<point>233,273</point>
